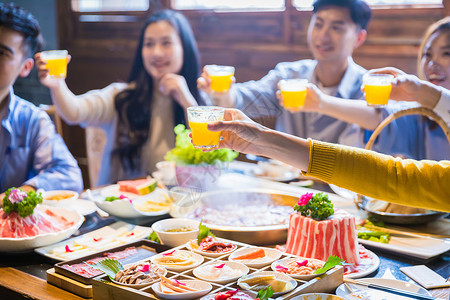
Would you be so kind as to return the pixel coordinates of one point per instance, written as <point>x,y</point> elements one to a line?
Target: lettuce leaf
<point>184,152</point>
<point>108,266</point>
<point>331,262</point>
<point>203,231</point>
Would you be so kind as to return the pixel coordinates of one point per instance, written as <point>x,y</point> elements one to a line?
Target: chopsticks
<point>399,232</point>
<point>389,289</point>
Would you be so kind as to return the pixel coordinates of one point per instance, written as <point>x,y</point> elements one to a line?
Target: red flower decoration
<point>304,199</point>
<point>68,249</point>
<point>302,263</point>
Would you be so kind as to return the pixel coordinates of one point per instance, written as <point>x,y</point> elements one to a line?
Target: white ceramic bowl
<point>176,238</point>
<point>191,245</point>
<point>281,276</point>
<point>270,256</point>
<point>283,263</point>
<point>204,272</point>
<point>195,258</point>
<point>202,286</point>
<point>60,198</point>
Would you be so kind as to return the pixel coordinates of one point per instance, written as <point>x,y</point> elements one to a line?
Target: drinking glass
<point>220,77</point>
<point>377,88</point>
<point>199,117</point>
<point>293,92</point>
<point>56,62</point>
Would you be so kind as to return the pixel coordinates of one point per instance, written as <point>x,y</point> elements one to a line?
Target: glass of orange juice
<point>56,62</point>
<point>293,92</point>
<point>220,77</point>
<point>199,117</point>
<point>377,88</point>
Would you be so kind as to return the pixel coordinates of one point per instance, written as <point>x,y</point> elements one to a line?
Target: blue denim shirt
<point>32,153</point>
<point>258,99</point>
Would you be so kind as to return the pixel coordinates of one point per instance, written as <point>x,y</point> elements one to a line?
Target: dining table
<point>23,275</point>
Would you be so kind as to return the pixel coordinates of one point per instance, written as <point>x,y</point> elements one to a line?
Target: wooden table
<point>23,276</point>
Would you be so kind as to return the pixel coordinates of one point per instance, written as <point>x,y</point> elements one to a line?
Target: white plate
<point>366,266</point>
<point>198,260</point>
<point>101,239</point>
<point>401,285</point>
<point>241,269</point>
<point>138,286</point>
<point>84,207</point>
<point>317,296</point>
<point>283,262</point>
<point>420,247</point>
<point>267,273</point>
<point>189,246</point>
<point>125,209</point>
<point>28,243</point>
<point>204,288</point>
<point>270,256</point>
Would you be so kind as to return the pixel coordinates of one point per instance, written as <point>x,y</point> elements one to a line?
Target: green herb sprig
<point>111,199</point>
<point>184,152</point>
<point>203,231</point>
<point>265,293</point>
<point>24,208</point>
<point>331,262</point>
<point>154,237</point>
<point>319,207</point>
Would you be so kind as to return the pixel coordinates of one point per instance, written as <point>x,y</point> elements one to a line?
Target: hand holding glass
<point>220,77</point>
<point>199,117</point>
<point>56,62</point>
<point>377,88</point>
<point>293,92</point>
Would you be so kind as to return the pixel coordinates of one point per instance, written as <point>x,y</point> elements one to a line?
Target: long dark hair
<point>134,105</point>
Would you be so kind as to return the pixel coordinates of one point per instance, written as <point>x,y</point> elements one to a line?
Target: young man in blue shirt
<point>32,154</point>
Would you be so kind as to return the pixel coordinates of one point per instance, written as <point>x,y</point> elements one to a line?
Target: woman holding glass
<point>138,116</point>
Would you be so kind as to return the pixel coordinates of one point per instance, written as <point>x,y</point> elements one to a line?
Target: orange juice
<point>293,99</point>
<point>202,137</point>
<point>220,77</point>
<point>377,95</point>
<point>56,62</point>
<point>220,83</point>
<point>57,67</point>
<point>377,88</point>
<point>293,92</point>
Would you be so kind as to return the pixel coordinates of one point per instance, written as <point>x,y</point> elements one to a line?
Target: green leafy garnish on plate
<point>331,262</point>
<point>203,231</point>
<point>265,293</point>
<point>111,199</point>
<point>108,266</point>
<point>371,232</point>
<point>154,237</point>
<point>184,152</point>
<point>21,202</point>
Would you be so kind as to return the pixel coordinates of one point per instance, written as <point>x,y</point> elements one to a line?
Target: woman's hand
<point>43,71</point>
<point>239,132</point>
<point>410,88</point>
<point>175,86</point>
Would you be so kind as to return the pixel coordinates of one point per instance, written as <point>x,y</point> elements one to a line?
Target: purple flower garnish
<point>17,196</point>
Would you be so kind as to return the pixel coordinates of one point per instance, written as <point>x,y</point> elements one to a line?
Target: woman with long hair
<point>138,116</point>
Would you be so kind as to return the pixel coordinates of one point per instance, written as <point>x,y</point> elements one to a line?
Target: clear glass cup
<point>377,88</point>
<point>293,92</point>
<point>56,62</point>
<point>220,77</point>
<point>199,117</point>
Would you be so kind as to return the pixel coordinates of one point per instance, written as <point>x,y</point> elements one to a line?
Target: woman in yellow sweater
<point>424,184</point>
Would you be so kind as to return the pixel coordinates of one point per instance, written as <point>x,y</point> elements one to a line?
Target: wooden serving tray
<point>104,289</point>
<point>81,285</point>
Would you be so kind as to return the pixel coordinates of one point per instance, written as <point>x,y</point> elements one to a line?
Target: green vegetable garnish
<point>111,199</point>
<point>108,266</point>
<point>184,152</point>
<point>331,262</point>
<point>21,202</point>
<point>317,206</point>
<point>265,293</point>
<point>203,231</point>
<point>154,237</point>
<point>367,232</point>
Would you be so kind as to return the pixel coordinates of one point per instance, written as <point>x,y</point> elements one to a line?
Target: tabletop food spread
<point>323,244</point>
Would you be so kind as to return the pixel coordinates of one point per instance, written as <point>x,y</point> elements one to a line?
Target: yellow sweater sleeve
<point>424,184</point>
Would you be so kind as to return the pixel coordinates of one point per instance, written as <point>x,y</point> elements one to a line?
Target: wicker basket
<point>411,111</point>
